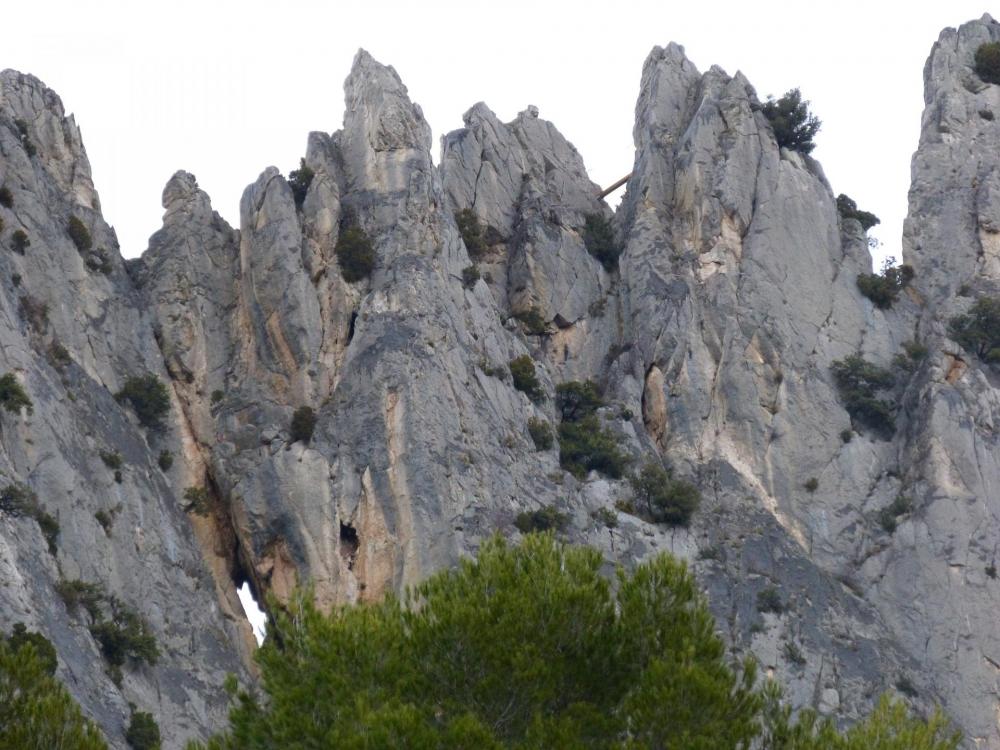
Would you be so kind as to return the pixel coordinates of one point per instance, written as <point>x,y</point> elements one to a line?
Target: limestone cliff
<point>712,338</point>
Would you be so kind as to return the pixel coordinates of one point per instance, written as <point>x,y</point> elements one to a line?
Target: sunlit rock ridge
<point>712,338</point>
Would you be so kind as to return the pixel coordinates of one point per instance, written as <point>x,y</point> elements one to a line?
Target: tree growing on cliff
<point>148,398</point>
<point>793,125</point>
<point>883,288</point>
<point>355,253</point>
<point>36,712</point>
<point>859,382</point>
<point>987,61</point>
<point>978,330</point>
<point>530,647</point>
<point>303,424</point>
<point>299,181</point>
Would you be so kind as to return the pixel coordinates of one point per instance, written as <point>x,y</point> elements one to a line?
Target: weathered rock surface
<point>50,296</point>
<point>712,340</point>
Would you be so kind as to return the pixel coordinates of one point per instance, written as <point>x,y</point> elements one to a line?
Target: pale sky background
<point>224,89</point>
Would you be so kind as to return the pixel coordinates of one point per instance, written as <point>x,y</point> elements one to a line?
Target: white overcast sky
<point>223,89</point>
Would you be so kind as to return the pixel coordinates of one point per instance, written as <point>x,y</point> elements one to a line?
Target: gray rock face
<point>53,296</point>
<point>528,186</point>
<point>937,584</point>
<point>712,339</point>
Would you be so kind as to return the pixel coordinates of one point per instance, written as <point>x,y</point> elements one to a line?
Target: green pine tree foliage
<point>36,712</point>
<point>528,647</point>
<point>793,124</point>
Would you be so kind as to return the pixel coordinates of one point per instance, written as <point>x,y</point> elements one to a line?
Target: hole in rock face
<point>254,614</point>
<point>348,544</point>
<point>350,330</point>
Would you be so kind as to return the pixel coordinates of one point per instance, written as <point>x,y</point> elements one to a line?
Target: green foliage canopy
<point>36,712</point>
<point>13,397</point>
<point>20,637</point>
<point>547,518</point>
<point>303,424</point>
<point>531,647</point>
<point>143,732</point>
<point>472,233</point>
<point>978,330</point>
<point>883,288</point>
<point>355,254</point>
<point>299,181</point>
<point>585,445</point>
<point>577,399</point>
<point>522,371</point>
<point>525,647</point>
<point>858,382</point>
<point>541,433</point>
<point>148,397</point>
<point>599,239</point>
<point>79,233</point>
<point>987,61</point>
<point>794,126</point>
<point>848,209</point>
<point>665,499</point>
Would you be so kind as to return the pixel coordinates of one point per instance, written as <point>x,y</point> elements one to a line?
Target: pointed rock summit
<point>351,404</point>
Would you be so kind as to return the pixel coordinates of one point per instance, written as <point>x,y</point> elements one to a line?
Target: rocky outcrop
<point>712,339</point>
<point>528,186</point>
<point>72,329</point>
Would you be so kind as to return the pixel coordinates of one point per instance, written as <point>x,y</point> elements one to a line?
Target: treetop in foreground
<point>36,711</point>
<point>531,647</point>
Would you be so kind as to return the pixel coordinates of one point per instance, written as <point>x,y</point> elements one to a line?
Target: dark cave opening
<point>350,329</point>
<point>348,544</point>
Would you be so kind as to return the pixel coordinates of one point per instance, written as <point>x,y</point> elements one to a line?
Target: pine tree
<point>36,712</point>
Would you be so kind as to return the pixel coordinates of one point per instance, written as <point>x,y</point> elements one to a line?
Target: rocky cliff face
<point>72,329</point>
<point>711,337</point>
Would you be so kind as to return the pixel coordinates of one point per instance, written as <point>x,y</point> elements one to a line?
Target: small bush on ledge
<point>541,433</point>
<point>299,181</point>
<point>889,516</point>
<point>599,238</point>
<point>143,732</point>
<point>124,636</point>
<point>303,424</point>
<point>987,61</point>
<point>522,370</point>
<point>544,519</point>
<point>848,209</point>
<point>978,331</point>
<point>858,382</point>
<point>532,320</point>
<point>769,600</point>
<point>17,500</point>
<point>148,398</point>
<point>793,125</point>
<point>19,241</point>
<point>12,395</point>
<point>355,254</point>
<point>577,399</point>
<point>883,288</point>
<point>472,233</point>
<point>197,501</point>
<point>80,235</point>
<point>665,499</point>
<point>587,446</point>
<point>470,275</point>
